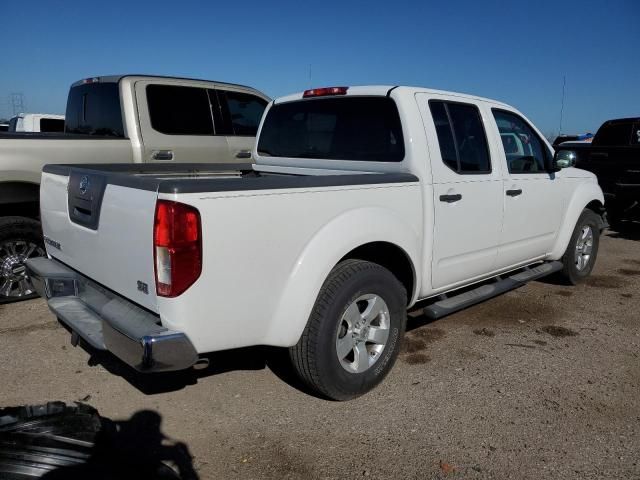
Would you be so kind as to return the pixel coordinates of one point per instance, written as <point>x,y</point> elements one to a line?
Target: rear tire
<point>20,238</point>
<point>581,253</point>
<point>354,332</point>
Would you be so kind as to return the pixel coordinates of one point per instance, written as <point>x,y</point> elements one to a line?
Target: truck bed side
<point>297,217</point>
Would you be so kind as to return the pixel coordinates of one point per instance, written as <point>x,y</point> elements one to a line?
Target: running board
<point>503,284</point>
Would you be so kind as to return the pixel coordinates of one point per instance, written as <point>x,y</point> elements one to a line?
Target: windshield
<point>345,128</point>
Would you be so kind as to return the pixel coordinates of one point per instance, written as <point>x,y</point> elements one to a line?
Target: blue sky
<point>515,51</point>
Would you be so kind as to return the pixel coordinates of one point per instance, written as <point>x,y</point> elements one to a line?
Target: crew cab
<point>363,202</point>
<point>127,119</point>
<point>614,156</point>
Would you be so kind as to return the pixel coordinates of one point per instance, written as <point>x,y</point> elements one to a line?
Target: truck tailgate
<point>104,231</point>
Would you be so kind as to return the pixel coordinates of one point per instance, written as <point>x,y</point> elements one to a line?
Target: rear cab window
<point>94,109</point>
<point>350,128</point>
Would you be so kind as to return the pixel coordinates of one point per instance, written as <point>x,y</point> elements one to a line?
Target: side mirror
<point>564,159</point>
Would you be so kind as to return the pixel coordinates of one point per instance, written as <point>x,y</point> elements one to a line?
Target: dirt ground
<point>543,382</point>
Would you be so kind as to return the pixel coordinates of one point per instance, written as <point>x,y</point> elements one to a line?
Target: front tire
<point>580,257</point>
<point>20,238</point>
<point>354,333</point>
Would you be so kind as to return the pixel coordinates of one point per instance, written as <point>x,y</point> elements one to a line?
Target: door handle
<point>162,155</point>
<point>243,154</point>
<point>450,198</point>
<point>514,193</point>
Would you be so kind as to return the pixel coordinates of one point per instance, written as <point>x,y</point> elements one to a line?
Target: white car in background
<point>37,123</point>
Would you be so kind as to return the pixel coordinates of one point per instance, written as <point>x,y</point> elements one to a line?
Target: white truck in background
<point>37,123</point>
<point>363,201</point>
<point>126,119</point>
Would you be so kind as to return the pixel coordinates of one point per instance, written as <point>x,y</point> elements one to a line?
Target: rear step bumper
<point>107,321</point>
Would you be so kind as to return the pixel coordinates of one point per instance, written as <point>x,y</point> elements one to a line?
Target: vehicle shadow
<point>66,442</point>
<point>248,358</point>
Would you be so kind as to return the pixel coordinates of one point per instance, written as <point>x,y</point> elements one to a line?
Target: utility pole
<point>17,103</point>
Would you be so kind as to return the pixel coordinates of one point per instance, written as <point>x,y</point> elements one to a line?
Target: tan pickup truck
<point>117,119</point>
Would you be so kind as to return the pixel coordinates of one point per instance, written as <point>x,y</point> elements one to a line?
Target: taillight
<point>177,241</point>
<point>324,92</point>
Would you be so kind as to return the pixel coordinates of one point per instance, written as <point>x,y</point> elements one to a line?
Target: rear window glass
<point>347,128</point>
<point>51,125</point>
<point>94,109</point>
<point>178,110</point>
<point>613,133</point>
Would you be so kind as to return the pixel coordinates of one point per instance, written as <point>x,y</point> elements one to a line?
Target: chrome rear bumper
<point>106,321</point>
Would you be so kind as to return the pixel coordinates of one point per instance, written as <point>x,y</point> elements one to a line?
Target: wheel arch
<point>20,198</point>
<point>374,234</point>
<point>586,196</point>
<point>390,256</point>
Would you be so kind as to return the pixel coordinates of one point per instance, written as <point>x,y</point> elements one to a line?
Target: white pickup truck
<point>363,201</point>
<point>124,118</point>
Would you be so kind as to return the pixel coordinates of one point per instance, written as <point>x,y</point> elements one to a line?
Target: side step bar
<point>463,300</point>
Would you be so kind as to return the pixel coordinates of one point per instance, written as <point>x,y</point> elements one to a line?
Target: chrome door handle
<point>243,154</point>
<point>162,155</point>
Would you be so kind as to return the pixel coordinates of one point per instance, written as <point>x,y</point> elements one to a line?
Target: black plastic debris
<point>56,441</point>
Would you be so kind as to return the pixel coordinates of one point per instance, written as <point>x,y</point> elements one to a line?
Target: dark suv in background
<point>614,156</point>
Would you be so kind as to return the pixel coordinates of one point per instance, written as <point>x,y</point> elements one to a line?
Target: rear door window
<point>177,110</point>
<point>243,110</point>
<point>343,128</point>
<point>461,135</point>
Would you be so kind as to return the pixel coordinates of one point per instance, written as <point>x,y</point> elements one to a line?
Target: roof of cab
<point>386,90</point>
<point>117,78</point>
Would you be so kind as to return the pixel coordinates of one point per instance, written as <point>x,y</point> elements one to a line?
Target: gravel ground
<point>541,382</point>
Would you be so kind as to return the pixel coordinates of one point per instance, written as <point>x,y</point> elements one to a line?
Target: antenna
<point>310,81</point>
<point>564,82</point>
